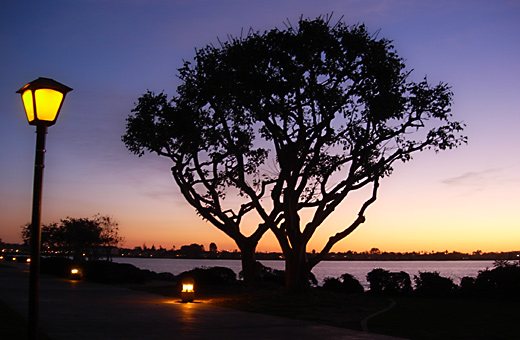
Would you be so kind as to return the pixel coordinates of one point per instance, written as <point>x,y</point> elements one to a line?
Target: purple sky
<point>111,52</point>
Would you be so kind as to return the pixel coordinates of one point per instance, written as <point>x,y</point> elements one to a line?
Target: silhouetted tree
<point>79,237</point>
<point>192,251</point>
<point>213,247</point>
<point>291,120</point>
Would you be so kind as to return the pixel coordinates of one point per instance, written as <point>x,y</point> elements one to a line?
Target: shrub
<point>207,277</point>
<point>264,274</point>
<point>351,284</point>
<point>110,272</point>
<point>467,286</point>
<point>502,281</point>
<point>378,279</point>
<point>59,266</point>
<point>389,283</point>
<point>347,284</point>
<point>431,284</point>
<point>332,284</point>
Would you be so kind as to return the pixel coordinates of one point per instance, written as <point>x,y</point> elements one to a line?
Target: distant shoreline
<point>195,251</point>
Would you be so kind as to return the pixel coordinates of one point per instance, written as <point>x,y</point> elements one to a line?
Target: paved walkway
<point>83,310</point>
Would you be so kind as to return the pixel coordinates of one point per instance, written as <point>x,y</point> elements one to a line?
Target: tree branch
<point>341,235</point>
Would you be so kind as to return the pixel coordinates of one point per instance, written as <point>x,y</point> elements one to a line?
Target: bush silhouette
<point>264,274</point>
<point>502,281</point>
<point>389,283</point>
<point>431,284</point>
<point>207,277</point>
<point>347,284</point>
<point>110,272</point>
<point>467,287</point>
<point>59,266</point>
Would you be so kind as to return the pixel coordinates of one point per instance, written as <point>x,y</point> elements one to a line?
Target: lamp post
<point>42,100</point>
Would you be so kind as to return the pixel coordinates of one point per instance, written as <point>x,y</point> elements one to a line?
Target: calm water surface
<point>359,269</point>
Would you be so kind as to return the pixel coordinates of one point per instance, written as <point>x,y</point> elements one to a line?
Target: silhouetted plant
<point>468,286</point>
<point>292,120</point>
<point>59,266</point>
<point>332,284</point>
<point>378,279</point>
<point>501,281</point>
<point>208,277</point>
<point>79,237</point>
<point>431,284</point>
<point>347,284</point>
<point>110,272</point>
<point>390,283</point>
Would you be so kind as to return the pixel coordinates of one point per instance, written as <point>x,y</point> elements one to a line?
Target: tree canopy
<point>78,237</point>
<point>291,120</point>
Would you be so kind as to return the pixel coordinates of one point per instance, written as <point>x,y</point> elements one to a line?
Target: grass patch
<point>328,308</point>
<point>449,318</point>
<point>13,326</point>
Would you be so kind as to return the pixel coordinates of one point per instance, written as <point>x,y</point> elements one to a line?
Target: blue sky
<point>111,52</point>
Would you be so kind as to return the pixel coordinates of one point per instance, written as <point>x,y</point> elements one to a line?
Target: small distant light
<point>74,271</point>
<point>1,257</point>
<point>28,260</point>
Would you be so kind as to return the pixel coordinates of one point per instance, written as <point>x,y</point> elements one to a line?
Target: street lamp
<point>42,100</point>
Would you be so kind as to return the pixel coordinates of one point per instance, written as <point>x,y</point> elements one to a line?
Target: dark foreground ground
<point>409,317</point>
<point>82,310</point>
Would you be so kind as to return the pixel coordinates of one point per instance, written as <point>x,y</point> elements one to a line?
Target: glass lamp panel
<point>47,103</point>
<point>27,99</point>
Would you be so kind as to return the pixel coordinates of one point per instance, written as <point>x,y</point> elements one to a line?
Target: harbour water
<point>359,269</point>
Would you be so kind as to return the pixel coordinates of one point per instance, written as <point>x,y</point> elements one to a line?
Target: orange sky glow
<point>110,53</point>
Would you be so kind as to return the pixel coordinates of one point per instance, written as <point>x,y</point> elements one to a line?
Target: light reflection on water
<point>453,269</point>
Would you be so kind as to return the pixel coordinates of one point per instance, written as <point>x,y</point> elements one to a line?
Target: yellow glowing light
<point>187,288</point>
<point>74,271</point>
<point>28,260</point>
<point>28,103</point>
<point>47,101</point>
<point>1,257</point>
<point>42,99</point>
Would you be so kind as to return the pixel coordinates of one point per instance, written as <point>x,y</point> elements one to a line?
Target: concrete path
<point>71,310</point>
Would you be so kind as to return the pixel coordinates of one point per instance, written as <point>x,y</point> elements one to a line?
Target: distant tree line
<point>197,251</point>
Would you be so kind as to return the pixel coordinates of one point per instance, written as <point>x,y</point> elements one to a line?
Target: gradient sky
<point>111,52</point>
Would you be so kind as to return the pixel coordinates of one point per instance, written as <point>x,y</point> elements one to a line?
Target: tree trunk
<point>296,270</point>
<point>248,258</point>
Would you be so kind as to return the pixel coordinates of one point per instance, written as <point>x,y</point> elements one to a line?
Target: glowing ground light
<point>187,288</point>
<point>188,291</point>
<point>75,274</point>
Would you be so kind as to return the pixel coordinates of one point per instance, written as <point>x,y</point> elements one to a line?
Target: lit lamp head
<point>188,292</point>
<point>42,99</point>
